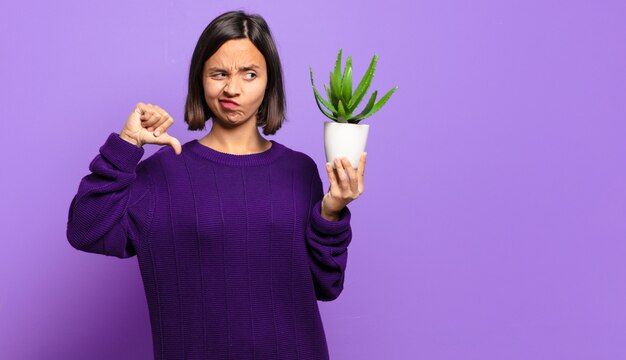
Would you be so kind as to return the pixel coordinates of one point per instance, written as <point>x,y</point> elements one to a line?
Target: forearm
<point>328,244</point>
<point>102,217</point>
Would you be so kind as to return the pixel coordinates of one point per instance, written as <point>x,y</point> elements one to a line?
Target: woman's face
<point>236,72</point>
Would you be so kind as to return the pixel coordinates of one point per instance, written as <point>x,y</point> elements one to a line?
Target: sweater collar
<point>262,158</point>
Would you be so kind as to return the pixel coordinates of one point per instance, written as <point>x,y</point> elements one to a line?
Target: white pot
<point>345,139</point>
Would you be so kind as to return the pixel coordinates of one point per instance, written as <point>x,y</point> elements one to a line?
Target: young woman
<point>235,239</point>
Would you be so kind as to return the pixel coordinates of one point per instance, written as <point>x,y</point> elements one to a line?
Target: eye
<point>251,73</point>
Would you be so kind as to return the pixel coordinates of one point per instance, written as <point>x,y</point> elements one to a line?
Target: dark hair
<point>229,26</point>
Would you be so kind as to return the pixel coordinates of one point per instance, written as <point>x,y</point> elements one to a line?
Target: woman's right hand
<point>147,124</point>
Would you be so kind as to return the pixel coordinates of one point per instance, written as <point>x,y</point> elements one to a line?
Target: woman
<point>234,237</point>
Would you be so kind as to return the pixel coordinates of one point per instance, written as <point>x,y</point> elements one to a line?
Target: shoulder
<point>163,158</point>
<point>302,161</point>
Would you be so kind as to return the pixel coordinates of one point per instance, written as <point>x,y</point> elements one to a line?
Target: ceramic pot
<point>345,139</point>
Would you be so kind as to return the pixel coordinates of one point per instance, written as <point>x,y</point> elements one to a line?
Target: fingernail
<point>157,133</point>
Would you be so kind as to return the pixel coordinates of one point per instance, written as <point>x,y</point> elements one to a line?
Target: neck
<point>240,140</point>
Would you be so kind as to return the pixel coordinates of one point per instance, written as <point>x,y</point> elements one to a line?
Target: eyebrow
<point>244,68</point>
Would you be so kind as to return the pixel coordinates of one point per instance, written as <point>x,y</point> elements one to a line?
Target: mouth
<point>228,102</point>
<point>228,105</point>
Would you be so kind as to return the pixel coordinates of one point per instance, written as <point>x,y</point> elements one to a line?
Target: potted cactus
<point>344,136</point>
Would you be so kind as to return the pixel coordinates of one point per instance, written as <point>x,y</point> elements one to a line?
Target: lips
<point>228,102</point>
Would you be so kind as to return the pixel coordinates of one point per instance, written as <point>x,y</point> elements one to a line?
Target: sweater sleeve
<point>113,204</point>
<point>327,245</point>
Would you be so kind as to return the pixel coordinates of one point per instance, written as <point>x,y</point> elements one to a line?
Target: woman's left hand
<point>343,190</point>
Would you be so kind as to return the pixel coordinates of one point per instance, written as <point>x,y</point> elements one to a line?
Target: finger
<point>151,123</point>
<point>167,139</point>
<point>353,181</point>
<point>343,181</point>
<point>146,113</point>
<point>331,175</point>
<point>140,108</point>
<point>144,107</point>
<point>163,127</point>
<point>175,144</point>
<point>165,119</point>
<point>361,171</point>
<point>159,124</point>
<point>162,116</point>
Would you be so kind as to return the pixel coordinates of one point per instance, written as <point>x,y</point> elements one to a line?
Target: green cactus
<point>342,102</point>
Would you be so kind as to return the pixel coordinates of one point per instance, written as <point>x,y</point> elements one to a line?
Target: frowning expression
<point>234,79</point>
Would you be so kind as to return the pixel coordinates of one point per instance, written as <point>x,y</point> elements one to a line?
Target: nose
<point>232,87</point>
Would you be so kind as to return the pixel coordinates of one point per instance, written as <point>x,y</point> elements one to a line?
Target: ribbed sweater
<point>232,249</point>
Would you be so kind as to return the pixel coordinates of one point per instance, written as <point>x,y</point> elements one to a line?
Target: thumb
<point>167,139</point>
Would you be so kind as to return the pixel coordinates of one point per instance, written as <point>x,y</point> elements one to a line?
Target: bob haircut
<point>229,26</point>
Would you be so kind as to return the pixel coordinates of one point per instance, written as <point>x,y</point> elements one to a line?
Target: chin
<point>229,121</point>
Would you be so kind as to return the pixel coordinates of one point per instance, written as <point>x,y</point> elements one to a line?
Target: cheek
<point>211,90</point>
<point>259,90</point>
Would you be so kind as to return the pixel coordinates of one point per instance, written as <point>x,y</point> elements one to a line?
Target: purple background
<point>493,219</point>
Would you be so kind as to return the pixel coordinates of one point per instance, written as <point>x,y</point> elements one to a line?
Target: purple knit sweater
<point>232,249</point>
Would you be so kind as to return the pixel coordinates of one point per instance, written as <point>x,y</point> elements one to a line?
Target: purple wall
<point>493,219</point>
